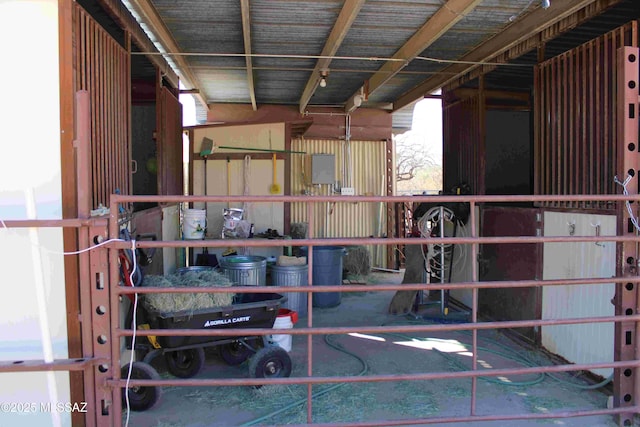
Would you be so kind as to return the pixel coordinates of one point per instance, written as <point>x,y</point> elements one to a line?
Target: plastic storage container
<point>285,320</point>
<point>292,275</point>
<point>327,271</point>
<point>245,270</point>
<point>247,311</point>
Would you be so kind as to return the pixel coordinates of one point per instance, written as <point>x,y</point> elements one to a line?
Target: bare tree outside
<point>419,151</point>
<point>412,155</point>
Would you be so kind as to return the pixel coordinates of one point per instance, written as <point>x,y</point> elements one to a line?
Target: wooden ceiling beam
<point>438,24</point>
<point>150,16</point>
<point>518,32</point>
<point>343,23</point>
<point>246,31</point>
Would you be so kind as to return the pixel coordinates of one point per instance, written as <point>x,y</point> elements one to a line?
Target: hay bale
<point>298,230</point>
<point>173,302</point>
<point>284,260</point>
<point>357,261</point>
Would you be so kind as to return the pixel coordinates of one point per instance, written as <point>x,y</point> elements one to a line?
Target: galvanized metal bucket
<point>292,275</point>
<point>245,270</point>
<point>193,269</point>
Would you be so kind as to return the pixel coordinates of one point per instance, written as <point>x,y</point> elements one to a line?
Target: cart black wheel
<point>234,353</point>
<point>270,362</point>
<point>140,398</point>
<point>185,363</point>
<point>148,358</point>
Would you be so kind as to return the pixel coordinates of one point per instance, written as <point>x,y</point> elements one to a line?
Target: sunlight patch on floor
<point>445,346</point>
<point>367,337</point>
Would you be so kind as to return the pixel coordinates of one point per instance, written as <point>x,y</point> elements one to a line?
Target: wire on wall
<point>624,184</point>
<point>133,326</point>
<point>106,242</point>
<point>333,58</point>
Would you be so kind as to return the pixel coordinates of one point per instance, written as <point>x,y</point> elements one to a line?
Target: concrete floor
<point>383,354</point>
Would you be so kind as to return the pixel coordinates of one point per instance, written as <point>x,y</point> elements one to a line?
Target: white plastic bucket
<point>194,224</point>
<point>285,320</point>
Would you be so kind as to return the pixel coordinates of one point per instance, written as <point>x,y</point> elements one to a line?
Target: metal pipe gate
<point>103,333</point>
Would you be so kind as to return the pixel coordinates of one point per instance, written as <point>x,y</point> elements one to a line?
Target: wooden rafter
<point>518,32</point>
<point>246,31</point>
<point>347,15</point>
<point>160,30</point>
<point>438,24</point>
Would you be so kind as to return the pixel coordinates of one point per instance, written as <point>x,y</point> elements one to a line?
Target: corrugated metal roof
<point>609,20</point>
<point>403,119</point>
<point>381,27</point>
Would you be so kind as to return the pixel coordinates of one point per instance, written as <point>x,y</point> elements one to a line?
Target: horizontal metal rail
<point>50,223</point>
<point>221,243</point>
<point>56,365</point>
<point>381,287</point>
<point>478,418</point>
<point>377,378</point>
<point>121,198</point>
<point>503,324</point>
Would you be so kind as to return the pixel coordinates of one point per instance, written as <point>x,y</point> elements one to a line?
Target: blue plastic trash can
<point>327,271</point>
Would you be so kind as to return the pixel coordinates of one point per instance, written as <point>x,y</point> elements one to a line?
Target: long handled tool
<point>261,150</point>
<point>205,151</point>
<point>274,188</point>
<point>228,179</point>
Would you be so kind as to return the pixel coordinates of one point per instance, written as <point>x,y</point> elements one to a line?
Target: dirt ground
<point>380,354</point>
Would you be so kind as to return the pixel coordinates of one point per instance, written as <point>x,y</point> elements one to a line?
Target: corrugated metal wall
<point>367,173</point>
<point>583,343</point>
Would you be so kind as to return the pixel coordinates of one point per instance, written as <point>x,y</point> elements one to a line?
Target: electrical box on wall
<point>323,168</point>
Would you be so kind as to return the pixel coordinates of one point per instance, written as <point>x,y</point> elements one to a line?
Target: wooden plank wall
<point>102,68</point>
<point>169,144</point>
<point>575,133</point>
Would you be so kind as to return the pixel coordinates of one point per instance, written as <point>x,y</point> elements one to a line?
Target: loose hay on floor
<point>174,302</point>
